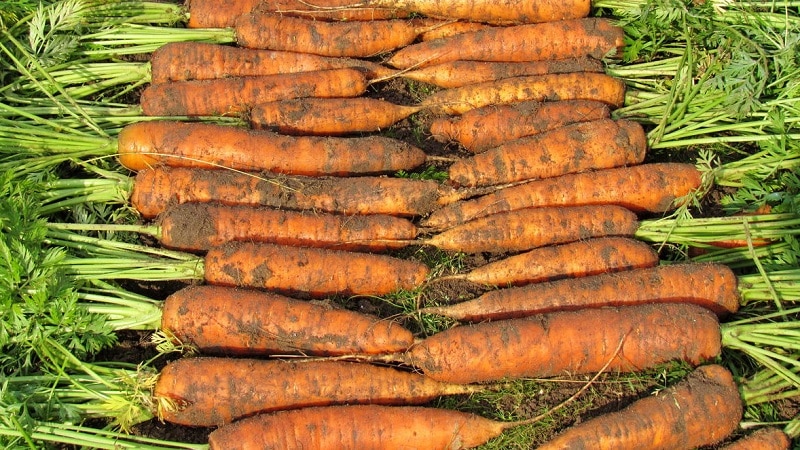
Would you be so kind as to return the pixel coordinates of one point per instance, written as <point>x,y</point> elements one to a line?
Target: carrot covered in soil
<point>651,188</point>
<point>712,286</point>
<point>328,116</point>
<point>769,438</point>
<point>483,128</point>
<point>147,144</point>
<point>236,95</point>
<point>599,144</point>
<point>513,11</point>
<point>215,391</point>
<point>703,409</point>
<point>231,321</point>
<point>595,37</point>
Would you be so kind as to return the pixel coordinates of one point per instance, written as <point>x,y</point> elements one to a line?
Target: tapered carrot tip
<point>770,438</point>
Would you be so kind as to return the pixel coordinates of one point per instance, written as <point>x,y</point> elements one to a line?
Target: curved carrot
<point>701,410</point>
<point>231,321</point>
<point>576,342</point>
<point>769,438</point>
<point>599,144</point>
<point>712,286</point>
<point>515,11</point>
<point>215,391</point>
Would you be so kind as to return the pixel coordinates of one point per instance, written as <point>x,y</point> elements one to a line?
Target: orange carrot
<point>307,272</point>
<point>516,11</point>
<point>712,286</point>
<point>526,229</point>
<point>769,438</point>
<point>575,342</point>
<point>455,74</point>
<point>182,61</point>
<point>595,37</point>
<point>442,28</point>
<point>328,116</point>
<point>654,188</point>
<point>701,410</point>
<point>154,189</point>
<point>483,128</point>
<point>149,144</point>
<point>215,391</point>
<point>599,144</point>
<point>236,95</point>
<point>231,321</point>
<point>576,259</point>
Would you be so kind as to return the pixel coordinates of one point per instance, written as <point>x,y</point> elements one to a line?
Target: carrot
<point>308,271</point>
<point>442,28</point>
<point>154,189</point>
<point>363,427</point>
<point>769,438</point>
<point>480,129</point>
<point>517,11</point>
<point>595,37</point>
<point>231,321</point>
<point>712,286</point>
<point>701,410</point>
<point>236,95</point>
<point>215,391</point>
<point>455,74</point>
<point>182,61</point>
<point>653,188</point>
<point>599,144</point>
<point>577,342</point>
<point>148,144</point>
<point>328,116</point>
<point>526,229</point>
<point>352,39</point>
<point>576,259</point>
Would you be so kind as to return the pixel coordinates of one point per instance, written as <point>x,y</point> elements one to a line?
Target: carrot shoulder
<point>769,438</point>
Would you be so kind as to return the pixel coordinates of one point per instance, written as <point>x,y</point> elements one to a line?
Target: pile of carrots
<point>301,205</point>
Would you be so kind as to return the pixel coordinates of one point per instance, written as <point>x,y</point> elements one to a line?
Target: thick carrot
<point>455,74</point>
<point>215,391</point>
<point>362,427</point>
<point>576,342</point>
<point>310,272</point>
<point>701,410</point>
<point>514,11</point>
<point>230,321</point>
<point>236,95</point>
<point>595,37</point>
<point>769,438</point>
<point>654,188</point>
<point>599,144</point>
<point>182,61</point>
<point>712,286</point>
<point>156,188</point>
<point>576,259</point>
<point>551,87</point>
<point>328,116</point>
<point>148,144</point>
<point>483,128</point>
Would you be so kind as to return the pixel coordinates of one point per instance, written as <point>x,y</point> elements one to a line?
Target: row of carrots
<point>306,212</point>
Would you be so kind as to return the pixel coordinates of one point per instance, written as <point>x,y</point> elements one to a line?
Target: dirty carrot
<point>517,11</point>
<point>483,128</point>
<point>328,116</point>
<point>599,144</point>
<point>768,438</point>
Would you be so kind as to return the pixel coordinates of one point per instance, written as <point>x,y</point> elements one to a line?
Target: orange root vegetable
<point>363,427</point>
<point>551,87</point>
<point>654,188</point>
<point>701,410</point>
<point>462,73</point>
<point>516,11</point>
<point>712,286</point>
<point>182,61</point>
<point>599,144</point>
<point>442,28</point>
<point>154,189</point>
<point>230,321</point>
<point>307,272</point>
<point>769,438</point>
<point>236,95</point>
<point>576,259</point>
<point>595,37</point>
<point>202,145</point>
<point>328,116</point>
<point>483,128</point>
<point>526,229</point>
<point>575,342</point>
<point>349,38</point>
<point>215,391</point>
